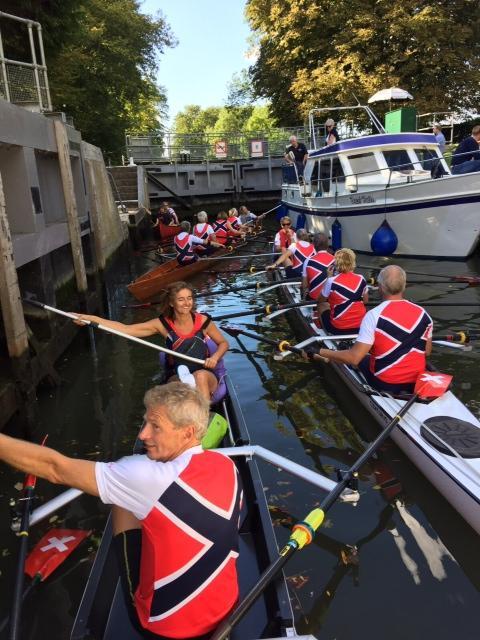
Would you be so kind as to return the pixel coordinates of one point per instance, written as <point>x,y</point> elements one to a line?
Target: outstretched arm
<point>138,330</point>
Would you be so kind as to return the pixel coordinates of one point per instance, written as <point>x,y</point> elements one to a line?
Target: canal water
<point>400,564</point>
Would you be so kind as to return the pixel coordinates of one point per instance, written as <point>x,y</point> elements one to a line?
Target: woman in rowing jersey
<point>203,231</point>
<point>223,229</point>
<point>184,245</point>
<point>295,255</point>
<point>317,268</point>
<point>341,305</point>
<point>185,330</point>
<point>234,221</point>
<point>285,237</point>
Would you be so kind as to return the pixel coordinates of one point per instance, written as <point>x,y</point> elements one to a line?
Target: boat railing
<point>355,131</point>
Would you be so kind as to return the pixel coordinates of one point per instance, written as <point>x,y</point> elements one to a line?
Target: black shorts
<point>329,328</point>
<point>373,381</point>
<point>128,548</point>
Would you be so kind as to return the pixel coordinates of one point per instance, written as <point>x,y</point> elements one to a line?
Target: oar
<point>28,491</point>
<point>280,345</point>
<point>428,387</point>
<point>269,308</point>
<point>47,555</point>
<point>243,257</point>
<point>115,332</point>
<point>471,280</point>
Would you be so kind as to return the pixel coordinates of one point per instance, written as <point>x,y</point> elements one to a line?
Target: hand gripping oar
<point>28,491</point>
<point>473,281</point>
<point>115,332</point>
<point>47,555</point>
<point>428,387</point>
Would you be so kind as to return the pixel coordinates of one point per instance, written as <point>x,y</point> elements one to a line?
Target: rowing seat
<point>462,436</point>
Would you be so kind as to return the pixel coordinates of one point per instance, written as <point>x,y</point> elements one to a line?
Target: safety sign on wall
<point>221,149</point>
<point>256,149</point>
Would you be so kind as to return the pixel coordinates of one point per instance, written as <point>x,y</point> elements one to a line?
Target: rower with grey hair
<point>296,254</point>
<point>204,231</point>
<point>296,153</point>
<point>394,339</point>
<point>331,133</point>
<point>185,243</point>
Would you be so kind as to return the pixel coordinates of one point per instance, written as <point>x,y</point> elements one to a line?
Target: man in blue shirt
<point>466,157</point>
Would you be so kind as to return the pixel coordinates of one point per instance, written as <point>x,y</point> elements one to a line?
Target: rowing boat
<point>442,438</point>
<point>102,613</point>
<point>167,232</point>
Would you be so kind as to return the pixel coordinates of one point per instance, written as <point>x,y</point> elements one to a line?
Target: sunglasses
<point>286,224</point>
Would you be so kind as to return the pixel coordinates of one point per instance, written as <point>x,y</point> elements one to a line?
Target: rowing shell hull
<point>102,614</point>
<point>457,479</point>
<point>152,282</point>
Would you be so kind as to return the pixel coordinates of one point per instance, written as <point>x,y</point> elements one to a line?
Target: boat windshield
<point>398,159</point>
<point>363,163</point>
<point>425,157</point>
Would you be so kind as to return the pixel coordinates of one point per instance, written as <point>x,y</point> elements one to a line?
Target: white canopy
<point>394,93</point>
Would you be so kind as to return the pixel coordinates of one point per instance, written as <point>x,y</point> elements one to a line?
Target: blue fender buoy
<point>336,235</point>
<point>301,222</point>
<point>384,241</point>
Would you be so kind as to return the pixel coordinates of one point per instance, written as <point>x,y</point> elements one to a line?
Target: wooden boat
<point>150,283</point>
<point>442,438</point>
<point>102,613</point>
<point>166,232</point>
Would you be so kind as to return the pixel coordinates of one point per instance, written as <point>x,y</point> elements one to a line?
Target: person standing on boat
<point>296,153</point>
<point>184,244</point>
<point>439,137</point>
<point>466,157</point>
<point>397,335</point>
<point>171,212</point>
<point>186,331</point>
<point>317,268</point>
<point>331,133</point>
<point>341,304</point>
<point>175,514</point>
<point>296,254</point>
<point>223,229</point>
<point>285,237</point>
<point>204,231</point>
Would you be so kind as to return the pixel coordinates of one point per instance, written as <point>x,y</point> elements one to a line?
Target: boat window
<point>398,159</point>
<point>363,163</point>
<point>337,169</point>
<point>425,157</point>
<point>314,176</point>
<point>325,172</point>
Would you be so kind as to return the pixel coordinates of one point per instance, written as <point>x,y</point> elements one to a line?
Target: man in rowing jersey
<point>295,256</point>
<point>341,304</point>
<point>204,231</point>
<point>317,268</point>
<point>285,237</point>
<point>397,335</point>
<point>175,516</point>
<point>184,245</point>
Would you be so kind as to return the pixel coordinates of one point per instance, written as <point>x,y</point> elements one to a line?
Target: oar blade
<point>430,385</point>
<point>51,550</point>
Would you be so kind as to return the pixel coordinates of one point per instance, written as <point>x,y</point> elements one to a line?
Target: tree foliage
<point>102,60</point>
<point>215,120</point>
<point>323,52</point>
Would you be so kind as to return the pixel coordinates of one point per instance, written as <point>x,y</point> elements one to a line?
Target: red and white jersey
<point>203,231</point>
<point>189,510</point>
<point>283,239</point>
<point>315,270</point>
<point>345,293</point>
<point>234,222</point>
<point>301,250</point>
<point>220,230</point>
<point>184,246</point>
<point>398,331</point>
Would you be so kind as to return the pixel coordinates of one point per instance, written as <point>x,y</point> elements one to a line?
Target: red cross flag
<point>52,550</point>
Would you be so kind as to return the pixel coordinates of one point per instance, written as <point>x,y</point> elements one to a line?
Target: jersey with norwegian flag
<point>301,250</point>
<point>401,334</point>
<point>184,246</point>
<point>345,298</point>
<point>188,577</point>
<point>316,272</point>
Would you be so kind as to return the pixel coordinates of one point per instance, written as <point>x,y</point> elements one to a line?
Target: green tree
<point>260,120</point>
<point>240,92</point>
<point>194,119</point>
<point>323,52</point>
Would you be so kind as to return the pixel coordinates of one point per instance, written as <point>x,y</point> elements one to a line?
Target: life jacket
<point>191,344</point>
<point>188,575</point>
<point>200,230</point>
<point>302,251</point>
<point>317,272</point>
<point>234,223</point>
<point>346,306</point>
<point>398,352</point>
<point>220,230</point>
<point>184,247</point>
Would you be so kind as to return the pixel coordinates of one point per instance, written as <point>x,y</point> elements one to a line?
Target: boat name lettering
<point>361,199</point>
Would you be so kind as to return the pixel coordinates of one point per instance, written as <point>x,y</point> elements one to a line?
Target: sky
<point>212,46</point>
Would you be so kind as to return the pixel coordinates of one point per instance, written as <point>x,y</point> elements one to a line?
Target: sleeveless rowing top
<point>234,223</point>
<point>200,230</point>
<point>220,230</point>
<point>184,248</point>
<point>317,272</point>
<point>398,352</point>
<point>302,251</point>
<point>188,575</point>
<point>346,305</point>
<point>191,344</point>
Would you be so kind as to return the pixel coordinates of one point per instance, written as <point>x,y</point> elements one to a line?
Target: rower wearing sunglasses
<point>296,254</point>
<point>284,238</point>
